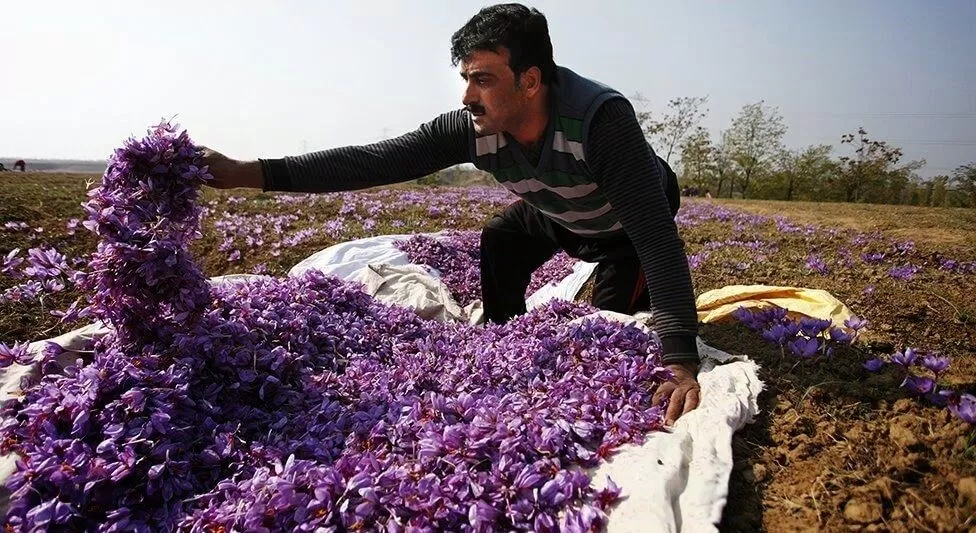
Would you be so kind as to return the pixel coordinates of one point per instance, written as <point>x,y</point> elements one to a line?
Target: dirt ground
<point>837,448</point>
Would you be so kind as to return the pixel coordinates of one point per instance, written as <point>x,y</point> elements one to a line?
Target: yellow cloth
<point>718,304</point>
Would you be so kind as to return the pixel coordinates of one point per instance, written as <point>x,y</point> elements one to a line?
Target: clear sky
<point>266,79</point>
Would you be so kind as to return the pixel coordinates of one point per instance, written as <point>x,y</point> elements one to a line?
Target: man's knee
<point>493,227</point>
<point>493,239</point>
<point>502,227</point>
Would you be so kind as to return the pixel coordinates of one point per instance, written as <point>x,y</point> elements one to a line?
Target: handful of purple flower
<point>142,281</point>
<point>307,403</point>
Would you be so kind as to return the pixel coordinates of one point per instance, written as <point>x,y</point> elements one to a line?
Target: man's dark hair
<point>523,31</point>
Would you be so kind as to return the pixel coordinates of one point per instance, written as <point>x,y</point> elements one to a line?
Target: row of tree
<point>749,160</point>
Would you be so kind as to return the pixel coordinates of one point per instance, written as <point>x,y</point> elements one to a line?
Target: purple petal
<point>873,365</point>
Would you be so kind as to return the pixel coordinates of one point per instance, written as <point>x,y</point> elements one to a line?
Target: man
<point>569,147</point>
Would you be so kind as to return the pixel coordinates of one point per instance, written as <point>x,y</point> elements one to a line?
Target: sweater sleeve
<point>435,145</point>
<point>626,170</point>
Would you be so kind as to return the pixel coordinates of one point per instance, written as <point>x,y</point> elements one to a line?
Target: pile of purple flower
<point>457,258</point>
<point>303,403</point>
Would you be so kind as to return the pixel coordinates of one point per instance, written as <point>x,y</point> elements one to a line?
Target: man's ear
<point>531,81</point>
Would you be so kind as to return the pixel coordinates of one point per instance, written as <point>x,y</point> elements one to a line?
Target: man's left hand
<point>683,390</point>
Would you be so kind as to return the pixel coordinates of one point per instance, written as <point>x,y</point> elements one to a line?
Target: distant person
<point>20,164</point>
<point>574,152</point>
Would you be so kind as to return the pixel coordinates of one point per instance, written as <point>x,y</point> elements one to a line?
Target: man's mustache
<point>475,109</point>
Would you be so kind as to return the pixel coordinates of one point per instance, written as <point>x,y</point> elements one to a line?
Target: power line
<point>934,142</point>
<point>923,142</point>
<point>886,115</point>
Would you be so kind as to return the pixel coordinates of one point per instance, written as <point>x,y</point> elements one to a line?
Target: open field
<point>835,448</point>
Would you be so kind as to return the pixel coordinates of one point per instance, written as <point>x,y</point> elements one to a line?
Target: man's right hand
<point>230,173</point>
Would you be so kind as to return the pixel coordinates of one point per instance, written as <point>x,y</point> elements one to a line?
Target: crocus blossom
<point>964,407</point>
<point>142,280</point>
<point>873,365</point>
<point>918,385</point>
<point>935,363</point>
<point>905,358</point>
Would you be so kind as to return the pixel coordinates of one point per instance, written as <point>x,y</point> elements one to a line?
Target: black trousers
<point>520,239</point>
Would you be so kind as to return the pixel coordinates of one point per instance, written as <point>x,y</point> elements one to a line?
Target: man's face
<point>490,94</point>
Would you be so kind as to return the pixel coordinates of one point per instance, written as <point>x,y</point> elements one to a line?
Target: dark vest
<point>561,185</point>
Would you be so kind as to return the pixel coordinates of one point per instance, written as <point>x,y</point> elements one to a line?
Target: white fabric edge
<point>348,259</point>
<point>566,289</point>
<point>678,480</point>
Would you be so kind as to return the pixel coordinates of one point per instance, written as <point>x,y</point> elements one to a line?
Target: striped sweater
<point>623,166</point>
<point>557,180</point>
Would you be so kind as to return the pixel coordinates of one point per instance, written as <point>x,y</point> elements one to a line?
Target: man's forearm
<point>249,173</point>
<point>436,145</point>
<point>632,181</point>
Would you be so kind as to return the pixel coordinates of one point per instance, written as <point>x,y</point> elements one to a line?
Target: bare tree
<point>869,168</point>
<point>666,134</point>
<point>645,117</point>
<point>683,116</point>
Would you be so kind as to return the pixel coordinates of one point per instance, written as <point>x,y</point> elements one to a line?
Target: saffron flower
<point>905,358</point>
<point>873,365</point>
<point>840,336</point>
<point>777,334</point>
<point>812,327</point>
<point>856,323</point>
<point>816,264</point>
<point>804,347</point>
<point>10,263</point>
<point>904,272</point>
<point>142,280</point>
<point>918,385</point>
<point>964,407</point>
<point>936,364</point>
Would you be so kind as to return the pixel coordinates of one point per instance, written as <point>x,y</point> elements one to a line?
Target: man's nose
<point>469,96</point>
